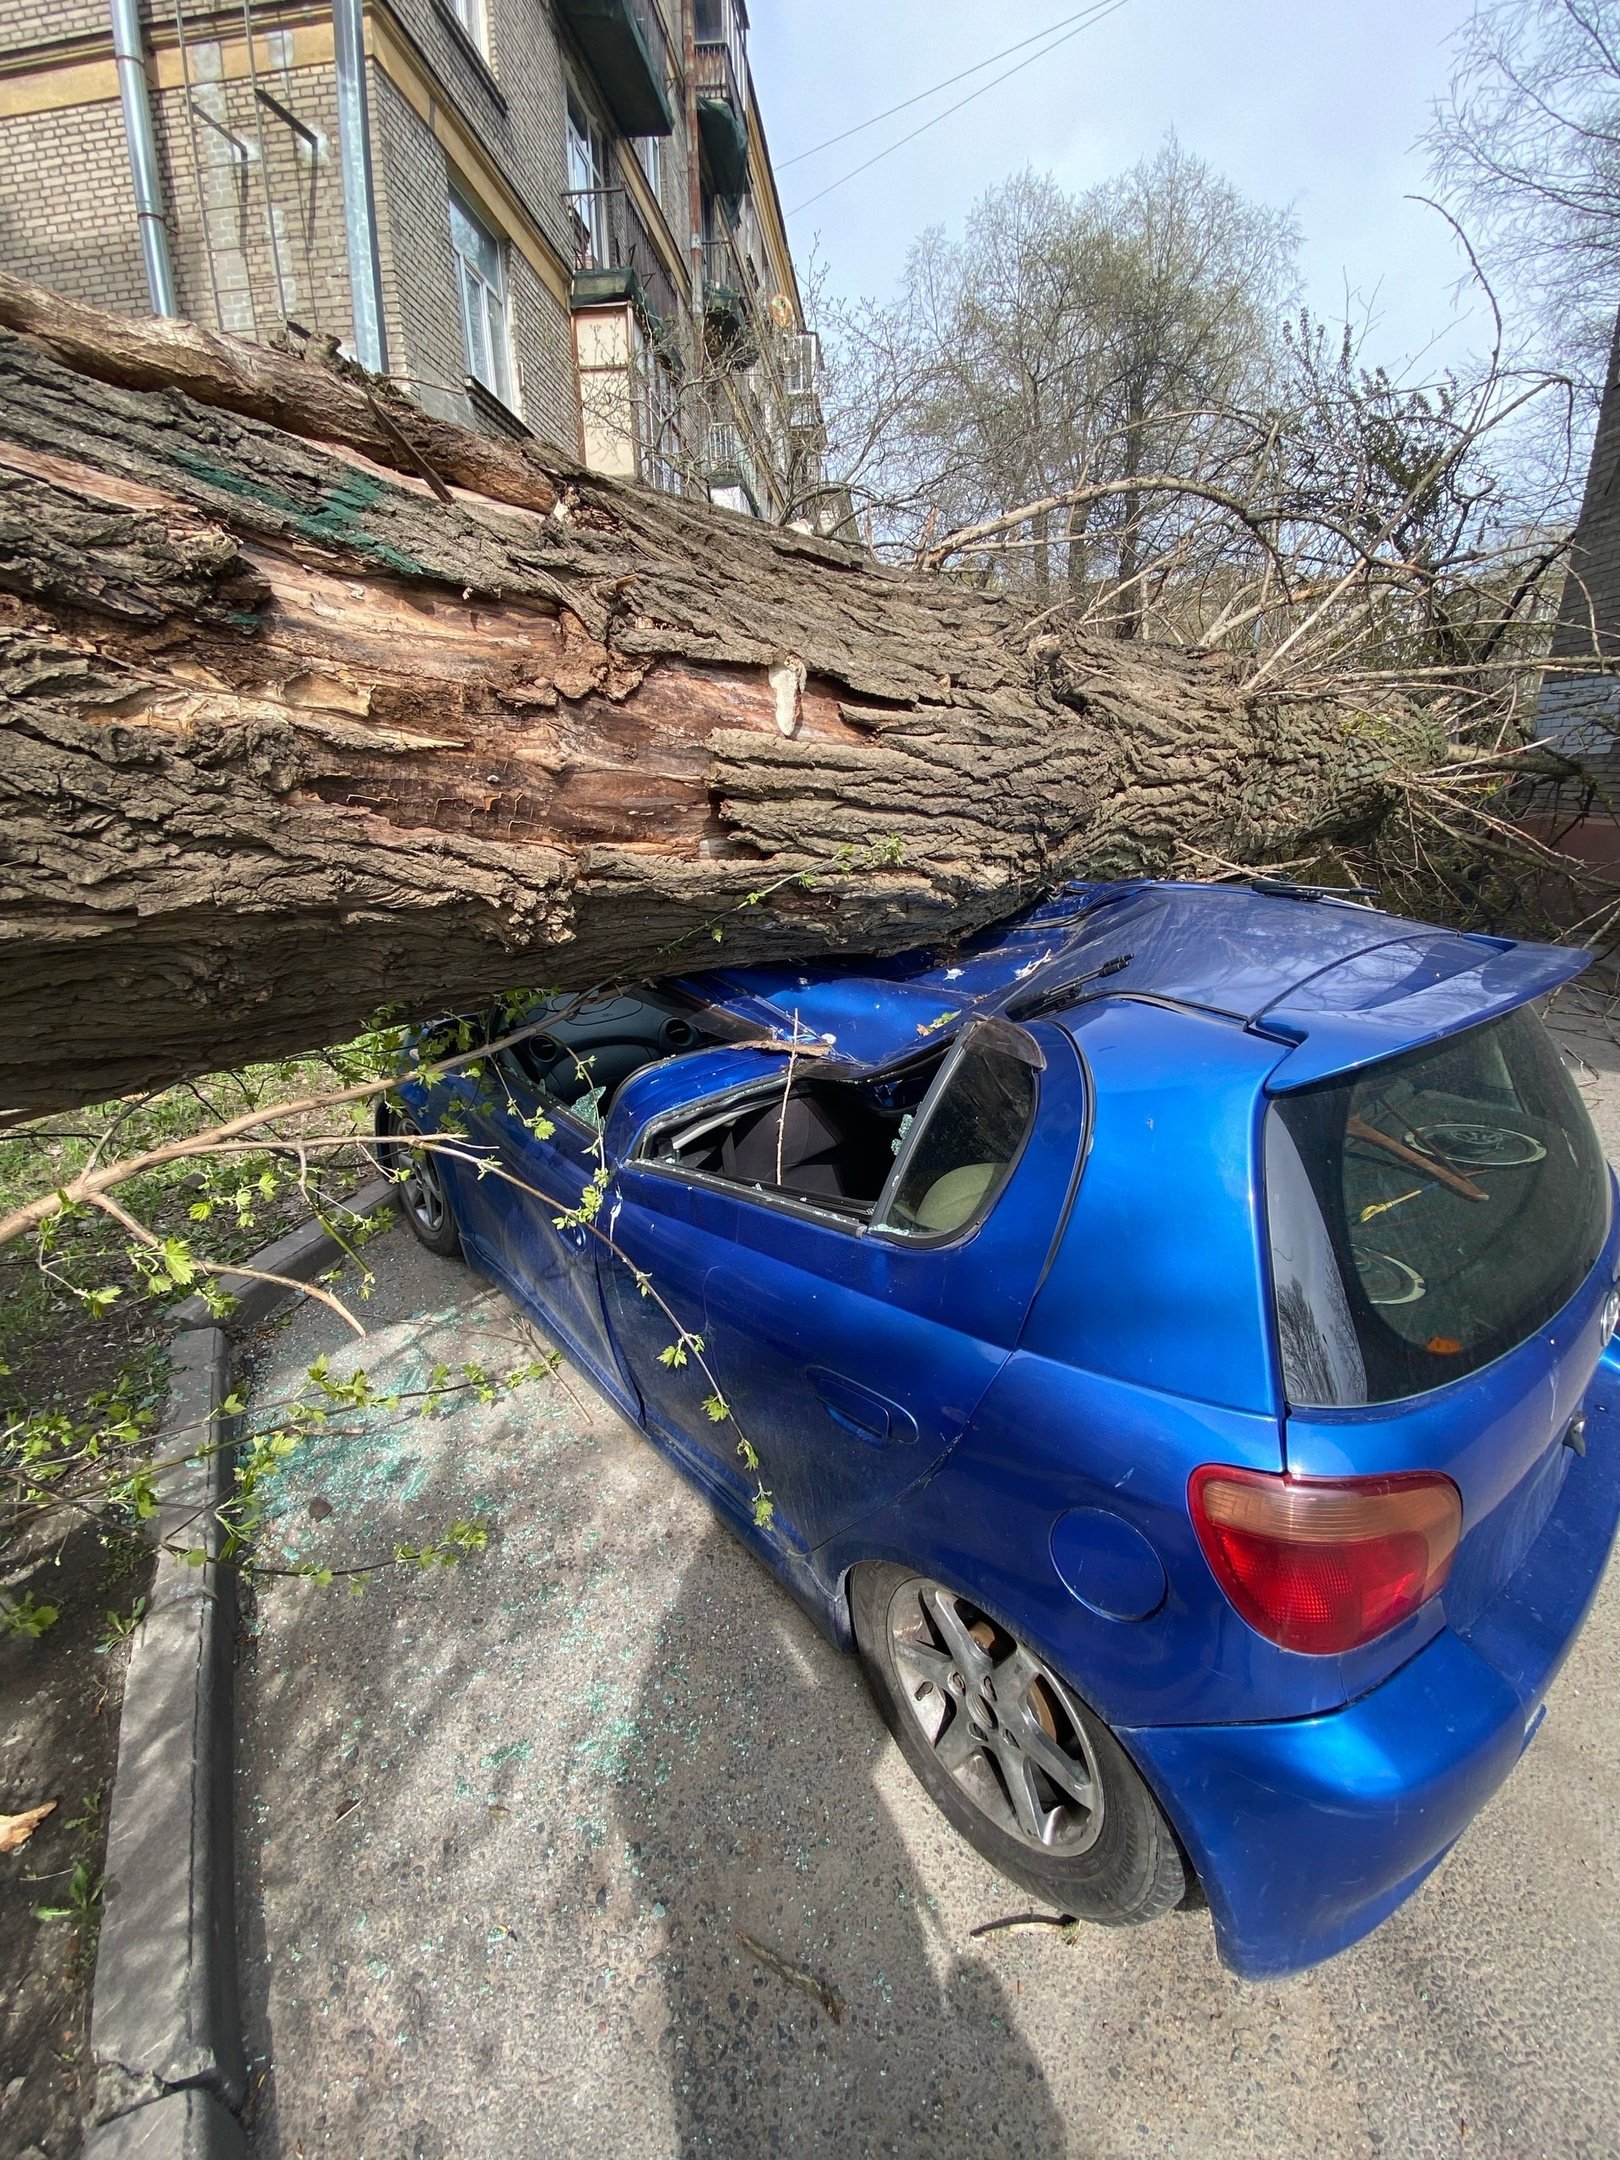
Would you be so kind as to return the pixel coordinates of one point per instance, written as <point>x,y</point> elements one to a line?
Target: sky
<point>1308,105</point>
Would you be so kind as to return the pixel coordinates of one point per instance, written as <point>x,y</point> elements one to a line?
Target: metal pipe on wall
<point>129,53</point>
<point>359,191</point>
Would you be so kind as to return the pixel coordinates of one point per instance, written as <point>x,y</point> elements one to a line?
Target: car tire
<point>927,1652</point>
<point>420,1196</point>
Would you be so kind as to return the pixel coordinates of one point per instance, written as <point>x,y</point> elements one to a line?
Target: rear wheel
<point>421,1195</point>
<point>1029,1776</point>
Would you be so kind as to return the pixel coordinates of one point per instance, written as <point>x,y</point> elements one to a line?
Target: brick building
<point>555,217</point>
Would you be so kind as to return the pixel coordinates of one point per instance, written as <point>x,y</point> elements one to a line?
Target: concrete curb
<point>165,2027</point>
<point>189,2125</point>
<point>302,1255</point>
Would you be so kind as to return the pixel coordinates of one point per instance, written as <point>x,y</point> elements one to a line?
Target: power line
<point>1096,15</point>
<point>933,90</point>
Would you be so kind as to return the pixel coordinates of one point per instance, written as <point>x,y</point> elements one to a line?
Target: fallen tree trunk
<point>289,736</point>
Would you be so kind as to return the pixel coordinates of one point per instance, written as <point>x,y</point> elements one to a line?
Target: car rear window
<point>1428,1214</point>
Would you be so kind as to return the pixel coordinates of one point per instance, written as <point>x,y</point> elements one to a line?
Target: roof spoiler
<point>1403,995</point>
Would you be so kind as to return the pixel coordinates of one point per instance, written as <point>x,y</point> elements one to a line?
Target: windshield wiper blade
<point>1034,1003</point>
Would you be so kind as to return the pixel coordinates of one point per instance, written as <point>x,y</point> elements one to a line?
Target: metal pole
<point>359,194</point>
<point>143,160</point>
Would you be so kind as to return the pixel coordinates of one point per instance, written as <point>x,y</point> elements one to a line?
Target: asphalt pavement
<point>502,1832</point>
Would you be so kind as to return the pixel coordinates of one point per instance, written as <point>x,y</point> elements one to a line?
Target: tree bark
<point>289,736</point>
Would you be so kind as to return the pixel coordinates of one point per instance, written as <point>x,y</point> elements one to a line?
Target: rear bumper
<point>1307,1834</point>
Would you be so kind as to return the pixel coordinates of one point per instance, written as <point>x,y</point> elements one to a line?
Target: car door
<point>517,1211</point>
<point>851,1357</point>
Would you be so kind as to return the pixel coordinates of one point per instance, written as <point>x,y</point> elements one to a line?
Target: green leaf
<point>28,1616</point>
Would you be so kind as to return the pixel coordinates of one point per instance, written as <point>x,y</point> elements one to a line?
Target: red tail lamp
<point>1325,1564</point>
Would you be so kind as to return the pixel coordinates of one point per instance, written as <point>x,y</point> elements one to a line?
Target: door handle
<point>861,1411</point>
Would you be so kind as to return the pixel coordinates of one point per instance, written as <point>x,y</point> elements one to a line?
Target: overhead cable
<point>1096,15</point>
<point>933,90</point>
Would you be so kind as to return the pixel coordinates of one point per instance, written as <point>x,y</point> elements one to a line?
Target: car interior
<point>829,1143</point>
<point>591,1047</point>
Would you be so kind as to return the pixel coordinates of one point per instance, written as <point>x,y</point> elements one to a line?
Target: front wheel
<point>421,1194</point>
<point>1029,1776</point>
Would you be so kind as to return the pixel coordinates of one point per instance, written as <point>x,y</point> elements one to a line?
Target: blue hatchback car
<point>1174,1331</point>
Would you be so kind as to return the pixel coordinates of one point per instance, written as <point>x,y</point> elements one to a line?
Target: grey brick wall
<point>36,22</point>
<point>238,278</point>
<point>514,104</point>
<point>543,338</point>
<point>425,346</point>
<point>67,208</point>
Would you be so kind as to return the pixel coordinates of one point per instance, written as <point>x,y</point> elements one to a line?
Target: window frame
<point>516,1080</point>
<point>1028,1051</point>
<point>1018,1044</point>
<point>660,445</point>
<point>472,19</point>
<point>469,277</point>
<point>586,152</point>
<point>738,1097</point>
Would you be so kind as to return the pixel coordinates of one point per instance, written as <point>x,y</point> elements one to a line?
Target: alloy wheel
<point>998,1720</point>
<point>423,1190</point>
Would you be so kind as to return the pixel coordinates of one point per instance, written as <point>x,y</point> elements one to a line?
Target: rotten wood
<point>286,738</point>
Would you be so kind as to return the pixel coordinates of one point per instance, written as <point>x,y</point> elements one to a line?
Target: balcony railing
<point>722,117</point>
<point>614,257</point>
<point>730,304</point>
<point>802,372</point>
<point>732,464</point>
<point>624,42</point>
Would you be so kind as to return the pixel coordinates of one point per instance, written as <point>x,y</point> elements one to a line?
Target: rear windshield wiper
<point>1281,888</point>
<point>1057,995</point>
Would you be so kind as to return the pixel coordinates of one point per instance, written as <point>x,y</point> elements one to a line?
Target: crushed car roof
<point>1339,980</point>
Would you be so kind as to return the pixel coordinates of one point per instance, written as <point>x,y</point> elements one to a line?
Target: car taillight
<point>1325,1564</point>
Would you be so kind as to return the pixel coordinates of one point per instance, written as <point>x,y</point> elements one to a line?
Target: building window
<point>650,157</point>
<point>470,14</point>
<point>587,187</point>
<point>481,279</point>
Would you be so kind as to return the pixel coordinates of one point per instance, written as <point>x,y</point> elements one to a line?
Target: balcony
<point>732,465</point>
<point>728,306</point>
<point>615,260</point>
<point>623,40</point>
<point>722,111</point>
<point>802,371</point>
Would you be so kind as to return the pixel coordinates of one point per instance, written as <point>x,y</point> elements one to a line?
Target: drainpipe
<point>694,178</point>
<point>359,190</point>
<point>143,160</point>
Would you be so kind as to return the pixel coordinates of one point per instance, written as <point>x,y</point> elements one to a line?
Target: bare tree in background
<point>1526,145</point>
<point>1066,340</point>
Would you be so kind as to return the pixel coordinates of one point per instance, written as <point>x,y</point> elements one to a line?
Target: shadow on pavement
<point>750,1804</point>
<point>498,1830</point>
